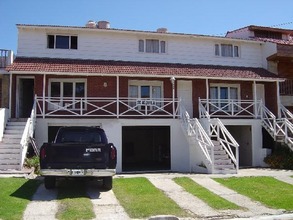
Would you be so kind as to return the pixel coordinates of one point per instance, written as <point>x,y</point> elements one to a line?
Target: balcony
<point>103,107</point>
<point>223,108</point>
<point>6,57</point>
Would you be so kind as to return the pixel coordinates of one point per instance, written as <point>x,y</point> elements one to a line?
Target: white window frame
<point>143,101</point>
<point>142,46</point>
<point>74,98</point>
<point>62,35</point>
<point>217,101</point>
<point>218,50</point>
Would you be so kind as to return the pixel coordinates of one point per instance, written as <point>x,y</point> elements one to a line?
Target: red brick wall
<point>271,97</point>
<point>198,91</point>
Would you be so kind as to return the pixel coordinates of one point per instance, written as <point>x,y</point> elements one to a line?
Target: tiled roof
<point>276,41</point>
<point>39,65</point>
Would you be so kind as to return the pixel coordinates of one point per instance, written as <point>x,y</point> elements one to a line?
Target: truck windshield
<point>78,136</point>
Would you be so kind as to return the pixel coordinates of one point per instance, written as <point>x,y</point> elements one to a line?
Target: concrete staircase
<point>10,148</point>
<point>222,162</point>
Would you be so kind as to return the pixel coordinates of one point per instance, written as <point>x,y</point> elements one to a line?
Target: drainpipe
<point>172,79</point>
<point>10,94</point>
<point>278,99</point>
<point>117,96</point>
<point>255,99</point>
<point>208,95</point>
<point>44,94</point>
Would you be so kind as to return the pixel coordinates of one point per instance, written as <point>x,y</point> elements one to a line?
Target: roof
<point>124,68</point>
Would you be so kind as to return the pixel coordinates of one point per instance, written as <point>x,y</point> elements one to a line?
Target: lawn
<point>141,199</point>
<point>204,194</point>
<point>15,194</point>
<point>267,190</point>
<point>74,203</point>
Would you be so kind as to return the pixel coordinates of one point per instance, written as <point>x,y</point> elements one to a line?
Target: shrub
<point>281,158</point>
<point>33,162</point>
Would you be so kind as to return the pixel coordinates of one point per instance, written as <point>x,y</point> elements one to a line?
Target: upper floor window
<point>62,42</point>
<point>268,34</point>
<point>226,50</point>
<point>152,46</point>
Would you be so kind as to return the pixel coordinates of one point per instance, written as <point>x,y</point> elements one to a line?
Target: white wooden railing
<point>106,107</point>
<point>223,136</point>
<point>228,108</point>
<point>195,131</point>
<point>27,134</point>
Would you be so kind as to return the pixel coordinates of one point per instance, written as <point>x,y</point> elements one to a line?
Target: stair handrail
<point>27,134</point>
<point>285,113</point>
<point>268,120</point>
<point>227,141</point>
<point>193,128</point>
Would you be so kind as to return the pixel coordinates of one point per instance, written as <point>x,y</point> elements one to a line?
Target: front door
<point>184,90</point>
<point>25,97</point>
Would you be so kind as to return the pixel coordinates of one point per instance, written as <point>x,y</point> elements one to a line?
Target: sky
<point>207,17</point>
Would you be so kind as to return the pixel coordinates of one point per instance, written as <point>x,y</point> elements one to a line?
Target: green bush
<point>33,162</point>
<point>281,158</point>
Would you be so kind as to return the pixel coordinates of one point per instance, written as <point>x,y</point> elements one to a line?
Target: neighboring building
<point>148,89</point>
<point>281,62</point>
<point>6,59</point>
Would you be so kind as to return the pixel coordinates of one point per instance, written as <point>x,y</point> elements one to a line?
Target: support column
<point>117,96</point>
<point>278,99</point>
<point>44,94</point>
<point>255,100</point>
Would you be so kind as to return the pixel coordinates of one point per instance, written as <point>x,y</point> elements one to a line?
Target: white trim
<point>144,76</point>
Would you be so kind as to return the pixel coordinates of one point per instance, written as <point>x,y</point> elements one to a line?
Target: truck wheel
<point>50,182</point>
<point>107,183</point>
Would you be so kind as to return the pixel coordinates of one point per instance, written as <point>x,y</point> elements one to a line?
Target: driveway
<point>106,206</point>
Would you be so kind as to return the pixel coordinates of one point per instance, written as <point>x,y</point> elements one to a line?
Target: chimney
<point>91,24</point>
<point>162,30</point>
<point>103,24</point>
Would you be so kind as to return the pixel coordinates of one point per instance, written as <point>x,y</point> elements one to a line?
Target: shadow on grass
<point>27,190</point>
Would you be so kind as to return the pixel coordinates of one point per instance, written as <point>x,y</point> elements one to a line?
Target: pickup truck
<point>78,152</point>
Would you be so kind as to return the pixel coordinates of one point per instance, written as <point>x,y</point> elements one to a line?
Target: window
<point>222,95</point>
<point>226,50</point>
<point>62,42</point>
<point>145,94</point>
<point>65,92</point>
<point>268,34</point>
<point>152,46</point>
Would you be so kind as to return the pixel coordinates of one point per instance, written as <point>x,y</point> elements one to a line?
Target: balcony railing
<point>106,107</point>
<point>223,108</point>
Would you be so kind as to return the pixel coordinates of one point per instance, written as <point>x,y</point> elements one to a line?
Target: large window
<point>64,92</point>
<point>222,96</point>
<point>226,50</point>
<point>152,46</point>
<point>62,42</point>
<point>145,94</point>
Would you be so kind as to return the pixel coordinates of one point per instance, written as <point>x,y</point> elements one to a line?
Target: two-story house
<point>168,101</point>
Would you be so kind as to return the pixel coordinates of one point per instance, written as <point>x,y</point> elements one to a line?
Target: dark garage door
<point>145,148</point>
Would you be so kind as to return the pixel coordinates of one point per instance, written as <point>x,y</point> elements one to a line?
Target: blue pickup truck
<point>78,152</point>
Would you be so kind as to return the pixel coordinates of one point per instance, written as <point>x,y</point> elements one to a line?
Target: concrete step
<point>9,156</point>
<point>222,161</point>
<point>221,156</point>
<point>10,160</point>
<point>224,166</point>
<point>11,140</point>
<point>9,166</point>
<point>13,131</point>
<point>225,171</point>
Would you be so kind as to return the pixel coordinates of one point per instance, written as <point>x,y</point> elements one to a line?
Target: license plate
<point>77,172</point>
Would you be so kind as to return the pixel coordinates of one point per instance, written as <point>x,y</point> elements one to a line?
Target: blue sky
<point>208,17</point>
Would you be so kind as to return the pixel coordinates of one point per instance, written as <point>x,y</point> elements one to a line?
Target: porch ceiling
<point>124,68</point>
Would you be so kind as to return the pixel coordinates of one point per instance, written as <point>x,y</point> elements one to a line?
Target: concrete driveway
<point>106,207</point>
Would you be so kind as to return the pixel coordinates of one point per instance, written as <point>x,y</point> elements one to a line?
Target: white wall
<point>123,45</point>
<point>256,132</point>
<point>113,129</point>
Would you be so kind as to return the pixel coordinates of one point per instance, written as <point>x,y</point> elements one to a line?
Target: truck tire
<point>50,182</point>
<point>107,183</point>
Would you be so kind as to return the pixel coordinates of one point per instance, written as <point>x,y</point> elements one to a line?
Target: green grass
<point>74,202</point>
<point>267,190</point>
<point>15,194</point>
<point>204,194</point>
<point>141,199</point>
